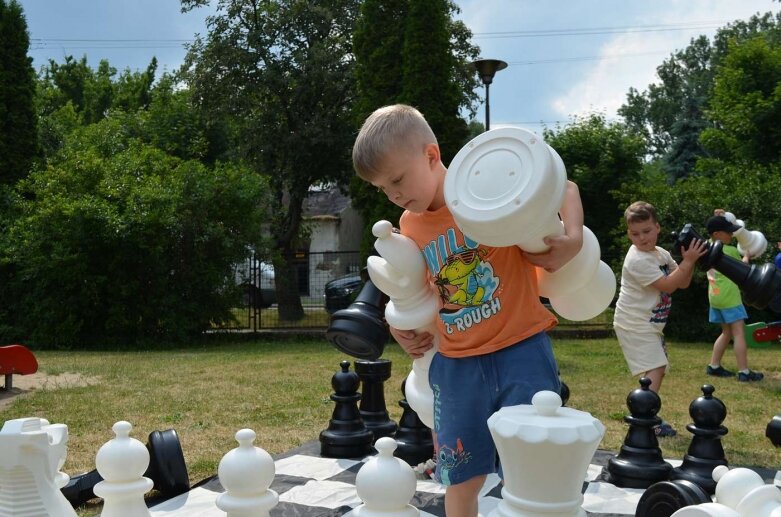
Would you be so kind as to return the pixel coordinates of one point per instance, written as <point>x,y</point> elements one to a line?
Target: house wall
<point>333,247</point>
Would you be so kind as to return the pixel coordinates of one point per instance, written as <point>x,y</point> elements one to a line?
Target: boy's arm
<point>682,276</point>
<point>563,247</point>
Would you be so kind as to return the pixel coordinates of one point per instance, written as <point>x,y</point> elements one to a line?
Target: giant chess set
<point>366,465</point>
<point>549,452</point>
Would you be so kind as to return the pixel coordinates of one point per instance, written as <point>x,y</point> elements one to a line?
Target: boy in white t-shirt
<point>648,277</point>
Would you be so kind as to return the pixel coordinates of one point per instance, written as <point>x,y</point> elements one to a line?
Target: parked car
<point>341,292</point>
<point>258,277</point>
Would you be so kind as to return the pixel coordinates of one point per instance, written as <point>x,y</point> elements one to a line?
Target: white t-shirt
<point>640,306</point>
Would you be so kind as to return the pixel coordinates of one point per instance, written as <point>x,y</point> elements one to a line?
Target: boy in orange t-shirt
<point>494,351</point>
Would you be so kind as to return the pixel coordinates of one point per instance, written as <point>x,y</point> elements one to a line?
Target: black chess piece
<point>664,498</point>
<point>705,451</point>
<point>360,330</point>
<point>773,431</point>
<point>167,469</point>
<point>640,464</point>
<point>760,284</point>
<point>414,439</point>
<point>374,413</point>
<point>346,435</point>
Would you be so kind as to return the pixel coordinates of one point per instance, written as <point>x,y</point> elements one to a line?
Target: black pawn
<point>640,464</point>
<point>346,436</point>
<point>373,411</point>
<point>414,439</point>
<point>705,451</point>
<point>664,498</point>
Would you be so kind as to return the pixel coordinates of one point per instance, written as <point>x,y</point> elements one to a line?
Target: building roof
<point>327,202</point>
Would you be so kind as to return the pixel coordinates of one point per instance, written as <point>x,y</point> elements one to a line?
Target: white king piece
<point>545,450</point>
<point>400,273</point>
<point>505,188</point>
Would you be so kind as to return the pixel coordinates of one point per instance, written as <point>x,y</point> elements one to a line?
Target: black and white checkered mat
<point>309,486</point>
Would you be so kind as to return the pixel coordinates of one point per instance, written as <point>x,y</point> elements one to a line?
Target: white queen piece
<point>545,450</point>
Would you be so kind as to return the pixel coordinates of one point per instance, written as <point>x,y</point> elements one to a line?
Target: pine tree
<point>18,126</point>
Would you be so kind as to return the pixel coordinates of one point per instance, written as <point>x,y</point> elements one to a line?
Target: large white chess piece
<point>121,462</point>
<point>246,473</point>
<point>385,484</point>
<point>545,450</point>
<point>400,273</point>
<point>751,241</point>
<point>33,452</point>
<point>505,188</point>
<point>740,492</point>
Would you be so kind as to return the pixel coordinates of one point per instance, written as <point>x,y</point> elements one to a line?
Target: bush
<point>120,242</point>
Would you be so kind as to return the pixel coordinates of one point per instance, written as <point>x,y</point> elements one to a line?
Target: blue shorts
<point>730,315</point>
<point>468,390</point>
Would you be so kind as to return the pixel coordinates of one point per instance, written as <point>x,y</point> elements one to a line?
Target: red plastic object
<point>770,333</point>
<point>16,359</point>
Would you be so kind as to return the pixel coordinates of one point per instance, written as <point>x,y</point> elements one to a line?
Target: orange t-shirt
<point>489,295</point>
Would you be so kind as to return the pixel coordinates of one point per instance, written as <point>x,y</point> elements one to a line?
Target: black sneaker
<point>664,430</point>
<point>750,376</point>
<point>719,371</point>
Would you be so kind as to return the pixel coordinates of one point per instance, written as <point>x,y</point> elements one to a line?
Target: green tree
<point>671,112</point>
<point>746,105</point>
<point>413,52</point>
<point>600,157</point>
<point>123,243</point>
<point>280,74</point>
<point>18,124</point>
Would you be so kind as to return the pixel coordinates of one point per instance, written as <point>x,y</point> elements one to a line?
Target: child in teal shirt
<point>726,307</point>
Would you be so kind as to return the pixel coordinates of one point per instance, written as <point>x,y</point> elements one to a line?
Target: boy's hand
<point>415,344</point>
<point>696,249</point>
<point>562,249</point>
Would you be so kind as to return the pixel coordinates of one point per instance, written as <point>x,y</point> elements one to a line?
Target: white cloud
<point>605,86</point>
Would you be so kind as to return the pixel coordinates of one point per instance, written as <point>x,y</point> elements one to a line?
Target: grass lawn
<point>281,390</point>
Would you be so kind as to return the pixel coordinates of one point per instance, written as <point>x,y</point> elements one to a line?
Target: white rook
<point>505,188</point>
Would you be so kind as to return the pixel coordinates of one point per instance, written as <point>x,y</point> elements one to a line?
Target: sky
<point>566,58</point>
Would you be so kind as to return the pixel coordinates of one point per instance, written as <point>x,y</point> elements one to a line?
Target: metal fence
<point>337,272</point>
<point>327,281</point>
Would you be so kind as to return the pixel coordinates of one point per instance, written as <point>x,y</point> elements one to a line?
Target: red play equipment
<point>16,359</point>
<point>761,334</point>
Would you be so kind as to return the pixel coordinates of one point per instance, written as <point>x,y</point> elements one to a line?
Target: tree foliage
<point>672,112</point>
<point>280,74</point>
<point>122,243</point>
<point>746,104</point>
<point>18,124</point>
<point>600,157</point>
<point>413,52</point>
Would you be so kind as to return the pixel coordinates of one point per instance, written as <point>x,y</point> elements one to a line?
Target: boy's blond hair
<point>640,211</point>
<point>388,129</point>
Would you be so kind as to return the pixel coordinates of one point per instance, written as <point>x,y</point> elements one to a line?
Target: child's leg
<point>741,350</point>
<point>721,344</point>
<point>461,499</point>
<point>656,375</point>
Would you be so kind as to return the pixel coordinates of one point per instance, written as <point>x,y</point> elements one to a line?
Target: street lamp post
<point>487,68</point>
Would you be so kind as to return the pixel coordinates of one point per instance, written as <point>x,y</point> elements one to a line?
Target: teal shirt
<point>723,293</point>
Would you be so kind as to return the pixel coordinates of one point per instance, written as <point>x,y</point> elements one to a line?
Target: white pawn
<point>245,473</point>
<point>751,241</point>
<point>745,491</point>
<point>33,452</point>
<point>400,273</point>
<point>122,462</point>
<point>385,484</point>
<point>740,492</point>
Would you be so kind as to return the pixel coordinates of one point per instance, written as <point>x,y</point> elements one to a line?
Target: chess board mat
<point>312,486</point>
